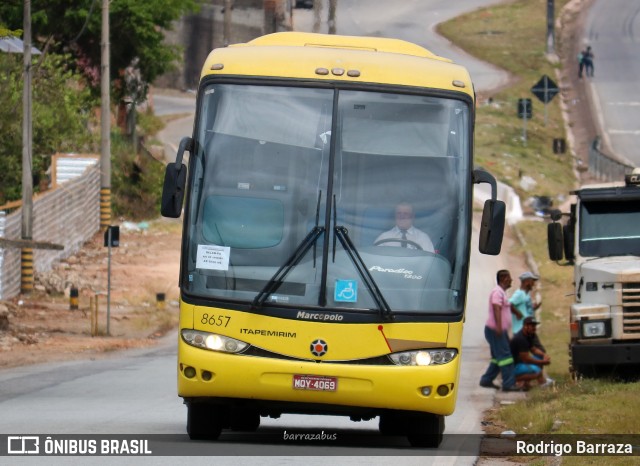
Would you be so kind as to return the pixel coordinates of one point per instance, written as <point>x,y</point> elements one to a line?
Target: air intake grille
<point>375,361</point>
<point>631,308</point>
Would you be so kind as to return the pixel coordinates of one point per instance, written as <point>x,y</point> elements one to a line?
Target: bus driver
<point>404,234</point>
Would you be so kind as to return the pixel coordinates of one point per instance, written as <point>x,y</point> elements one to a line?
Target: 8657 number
<point>218,321</point>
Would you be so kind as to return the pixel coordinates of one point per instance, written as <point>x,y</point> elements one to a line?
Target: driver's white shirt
<point>413,234</point>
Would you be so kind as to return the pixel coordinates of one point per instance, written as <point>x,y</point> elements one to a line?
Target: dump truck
<point>601,239</point>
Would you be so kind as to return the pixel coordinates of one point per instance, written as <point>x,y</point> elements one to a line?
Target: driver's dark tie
<point>404,238</point>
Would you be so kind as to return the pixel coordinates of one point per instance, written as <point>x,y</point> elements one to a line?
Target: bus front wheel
<point>247,420</point>
<point>425,430</point>
<point>204,421</point>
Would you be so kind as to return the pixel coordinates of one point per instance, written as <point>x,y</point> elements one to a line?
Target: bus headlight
<point>213,341</point>
<point>424,357</point>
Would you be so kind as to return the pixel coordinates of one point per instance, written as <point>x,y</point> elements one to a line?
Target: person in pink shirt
<point>496,332</point>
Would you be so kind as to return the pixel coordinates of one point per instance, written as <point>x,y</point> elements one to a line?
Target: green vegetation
<point>137,32</point>
<point>4,32</point>
<point>64,120</point>
<point>61,116</point>
<point>136,181</point>
<point>584,406</point>
<point>66,83</point>
<point>513,37</point>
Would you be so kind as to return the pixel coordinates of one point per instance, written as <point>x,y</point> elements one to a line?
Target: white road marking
<point>625,131</point>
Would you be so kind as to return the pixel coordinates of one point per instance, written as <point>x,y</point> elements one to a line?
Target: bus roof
<point>309,56</point>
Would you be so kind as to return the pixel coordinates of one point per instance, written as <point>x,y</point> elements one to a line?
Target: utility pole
<point>269,16</point>
<point>26,258</point>
<point>332,16</point>
<point>226,31</point>
<point>550,28</point>
<point>105,123</point>
<point>317,12</point>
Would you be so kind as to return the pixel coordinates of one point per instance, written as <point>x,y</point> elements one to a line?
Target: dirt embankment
<point>42,327</point>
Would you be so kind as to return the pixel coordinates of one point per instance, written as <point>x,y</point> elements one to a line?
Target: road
<point>183,109</point>
<point>135,392</point>
<point>614,35</point>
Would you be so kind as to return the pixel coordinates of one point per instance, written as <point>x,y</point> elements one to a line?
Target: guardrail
<point>605,167</point>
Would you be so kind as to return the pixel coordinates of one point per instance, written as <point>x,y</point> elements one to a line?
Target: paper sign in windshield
<point>213,257</point>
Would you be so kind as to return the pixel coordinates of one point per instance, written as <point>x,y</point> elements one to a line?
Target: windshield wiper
<point>274,283</point>
<point>278,278</point>
<point>383,307</point>
<point>343,235</point>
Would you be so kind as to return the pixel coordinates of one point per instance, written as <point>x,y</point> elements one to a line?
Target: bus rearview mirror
<point>492,227</point>
<point>175,179</point>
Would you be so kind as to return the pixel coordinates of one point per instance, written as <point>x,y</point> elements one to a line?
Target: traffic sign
<point>559,146</point>
<point>525,109</point>
<point>545,89</point>
<point>112,236</point>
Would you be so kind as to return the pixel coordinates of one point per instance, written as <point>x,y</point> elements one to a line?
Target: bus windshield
<point>329,198</point>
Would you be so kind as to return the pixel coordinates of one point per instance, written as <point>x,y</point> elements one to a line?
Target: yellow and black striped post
<point>105,207</point>
<point>160,301</point>
<point>73,298</point>
<point>26,267</point>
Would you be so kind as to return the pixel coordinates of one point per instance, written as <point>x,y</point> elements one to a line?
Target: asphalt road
<point>613,32</point>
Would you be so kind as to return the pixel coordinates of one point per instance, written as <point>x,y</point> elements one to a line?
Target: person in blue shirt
<point>522,302</point>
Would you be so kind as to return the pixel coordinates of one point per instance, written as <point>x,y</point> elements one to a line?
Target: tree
<point>4,32</point>
<point>61,118</point>
<point>73,26</point>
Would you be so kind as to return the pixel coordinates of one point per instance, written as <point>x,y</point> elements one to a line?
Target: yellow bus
<point>327,230</point>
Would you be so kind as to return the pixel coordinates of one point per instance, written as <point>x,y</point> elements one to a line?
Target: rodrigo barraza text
<point>581,448</point>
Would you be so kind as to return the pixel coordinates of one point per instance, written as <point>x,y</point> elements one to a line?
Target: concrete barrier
<point>67,215</point>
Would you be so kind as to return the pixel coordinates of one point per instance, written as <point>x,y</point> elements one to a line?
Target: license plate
<point>315,382</point>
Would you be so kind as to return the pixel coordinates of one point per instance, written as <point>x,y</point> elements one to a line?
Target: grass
<point>154,319</point>
<point>499,132</point>
<point>602,406</point>
<point>136,181</point>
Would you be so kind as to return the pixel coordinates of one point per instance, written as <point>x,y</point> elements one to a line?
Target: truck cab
<point>602,240</point>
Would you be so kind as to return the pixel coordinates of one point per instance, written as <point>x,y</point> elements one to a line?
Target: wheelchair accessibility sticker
<point>346,291</point>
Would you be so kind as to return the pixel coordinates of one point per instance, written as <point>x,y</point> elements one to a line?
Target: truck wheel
<point>425,430</point>
<point>204,421</point>
<point>580,371</point>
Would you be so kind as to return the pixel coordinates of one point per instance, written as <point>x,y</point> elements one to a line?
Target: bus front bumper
<point>208,374</point>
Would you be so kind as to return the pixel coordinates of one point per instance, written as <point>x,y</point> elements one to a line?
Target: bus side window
<point>243,222</point>
<point>252,204</point>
